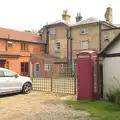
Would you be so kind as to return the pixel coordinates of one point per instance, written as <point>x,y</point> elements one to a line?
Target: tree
<point>32,31</point>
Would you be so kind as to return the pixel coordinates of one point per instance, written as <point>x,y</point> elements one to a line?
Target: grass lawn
<point>103,109</point>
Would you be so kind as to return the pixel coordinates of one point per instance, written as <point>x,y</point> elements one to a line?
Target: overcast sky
<point>33,14</point>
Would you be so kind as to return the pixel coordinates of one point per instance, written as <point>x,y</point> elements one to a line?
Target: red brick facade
<point>16,48</point>
<point>24,53</point>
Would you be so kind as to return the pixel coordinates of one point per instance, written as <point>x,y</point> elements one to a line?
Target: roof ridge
<point>18,31</point>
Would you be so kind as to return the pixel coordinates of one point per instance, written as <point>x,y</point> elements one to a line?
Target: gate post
<point>75,79</point>
<point>51,77</point>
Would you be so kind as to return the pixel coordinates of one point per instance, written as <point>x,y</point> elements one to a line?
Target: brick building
<point>17,48</point>
<point>64,39</point>
<point>24,53</point>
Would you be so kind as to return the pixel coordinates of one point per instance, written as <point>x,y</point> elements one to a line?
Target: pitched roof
<point>83,22</point>
<point>58,22</point>
<point>19,35</point>
<point>87,21</point>
<point>110,44</point>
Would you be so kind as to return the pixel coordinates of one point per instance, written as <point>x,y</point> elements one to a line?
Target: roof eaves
<point>107,23</point>
<point>56,24</point>
<point>40,42</point>
<point>109,45</point>
<point>84,24</point>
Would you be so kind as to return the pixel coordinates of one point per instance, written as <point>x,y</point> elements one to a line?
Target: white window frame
<point>37,67</point>
<point>84,44</point>
<point>9,43</point>
<point>57,48</point>
<point>47,67</point>
<point>84,31</point>
<point>52,31</point>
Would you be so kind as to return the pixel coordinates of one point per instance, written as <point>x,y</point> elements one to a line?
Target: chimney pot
<point>78,17</point>
<point>108,14</point>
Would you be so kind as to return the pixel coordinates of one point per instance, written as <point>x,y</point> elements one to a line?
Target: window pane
<point>9,44</point>
<point>24,46</point>
<point>9,74</point>
<point>26,67</point>
<point>52,31</point>
<point>84,44</point>
<point>58,47</point>
<point>84,31</point>
<point>37,67</point>
<point>22,67</point>
<point>47,67</point>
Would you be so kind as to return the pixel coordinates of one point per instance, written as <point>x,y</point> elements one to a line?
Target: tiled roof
<point>58,22</point>
<point>83,22</point>
<point>19,35</point>
<point>87,21</point>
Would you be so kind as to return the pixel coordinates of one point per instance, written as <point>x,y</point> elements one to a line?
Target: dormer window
<point>84,31</point>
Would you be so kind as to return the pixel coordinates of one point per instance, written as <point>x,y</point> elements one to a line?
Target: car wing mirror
<point>16,75</point>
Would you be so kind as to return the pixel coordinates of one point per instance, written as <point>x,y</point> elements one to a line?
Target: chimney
<point>66,16</point>
<point>108,14</point>
<point>78,17</point>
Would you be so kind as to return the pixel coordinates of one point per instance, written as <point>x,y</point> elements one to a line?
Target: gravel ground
<point>38,106</point>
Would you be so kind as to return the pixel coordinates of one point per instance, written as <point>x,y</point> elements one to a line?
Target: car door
<point>11,79</point>
<point>3,83</point>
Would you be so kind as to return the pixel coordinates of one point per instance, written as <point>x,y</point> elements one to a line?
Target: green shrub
<point>110,97</point>
<point>114,96</point>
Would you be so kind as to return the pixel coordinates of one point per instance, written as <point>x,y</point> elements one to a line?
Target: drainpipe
<point>70,48</point>
<point>47,41</point>
<point>70,51</point>
<point>99,36</point>
<point>67,47</point>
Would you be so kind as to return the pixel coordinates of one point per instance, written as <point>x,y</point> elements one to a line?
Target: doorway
<point>2,63</point>
<point>101,79</point>
<point>37,70</point>
<point>25,68</point>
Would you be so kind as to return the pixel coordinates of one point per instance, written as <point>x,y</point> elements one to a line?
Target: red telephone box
<point>87,76</point>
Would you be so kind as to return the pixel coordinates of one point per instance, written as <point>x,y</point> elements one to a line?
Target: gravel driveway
<point>38,106</point>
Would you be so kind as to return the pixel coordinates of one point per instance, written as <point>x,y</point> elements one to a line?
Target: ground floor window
<point>47,67</point>
<point>25,68</point>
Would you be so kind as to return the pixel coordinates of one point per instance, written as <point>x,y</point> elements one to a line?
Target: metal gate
<point>65,82</point>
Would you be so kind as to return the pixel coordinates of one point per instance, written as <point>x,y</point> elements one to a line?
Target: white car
<point>11,82</point>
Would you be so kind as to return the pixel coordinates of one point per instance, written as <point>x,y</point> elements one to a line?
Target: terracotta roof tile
<point>19,35</point>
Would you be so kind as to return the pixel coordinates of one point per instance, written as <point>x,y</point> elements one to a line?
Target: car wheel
<point>27,87</point>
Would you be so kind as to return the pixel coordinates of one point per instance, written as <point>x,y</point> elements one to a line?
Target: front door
<point>2,63</point>
<point>25,68</point>
<point>37,70</point>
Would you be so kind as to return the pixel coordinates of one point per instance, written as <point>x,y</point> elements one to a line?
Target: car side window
<point>9,74</point>
<point>2,73</point>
